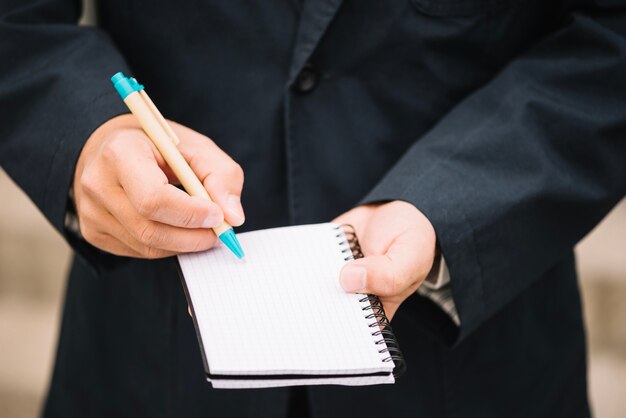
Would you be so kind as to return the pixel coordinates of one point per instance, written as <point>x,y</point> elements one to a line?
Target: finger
<point>221,175</point>
<point>101,229</point>
<point>139,249</point>
<point>227,196</point>
<point>113,245</point>
<point>388,274</point>
<point>108,243</point>
<point>369,275</point>
<point>155,234</point>
<point>150,193</point>
<point>357,215</point>
<point>357,218</point>
<point>169,205</point>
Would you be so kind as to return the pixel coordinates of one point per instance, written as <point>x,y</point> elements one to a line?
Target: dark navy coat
<point>504,121</point>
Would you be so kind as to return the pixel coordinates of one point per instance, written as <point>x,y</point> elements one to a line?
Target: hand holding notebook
<point>400,245</point>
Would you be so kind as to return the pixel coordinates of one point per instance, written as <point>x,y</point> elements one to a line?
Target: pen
<point>164,138</point>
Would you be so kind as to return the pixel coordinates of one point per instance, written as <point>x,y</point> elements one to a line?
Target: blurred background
<point>34,261</point>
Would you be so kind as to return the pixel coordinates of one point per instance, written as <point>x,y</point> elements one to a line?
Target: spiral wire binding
<point>374,310</point>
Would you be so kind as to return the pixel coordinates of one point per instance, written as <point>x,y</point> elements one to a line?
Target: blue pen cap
<point>125,85</point>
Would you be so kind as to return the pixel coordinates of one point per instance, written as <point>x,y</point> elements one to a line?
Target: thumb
<point>374,274</point>
<point>391,274</point>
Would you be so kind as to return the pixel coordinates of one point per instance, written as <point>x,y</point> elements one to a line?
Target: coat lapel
<point>315,18</point>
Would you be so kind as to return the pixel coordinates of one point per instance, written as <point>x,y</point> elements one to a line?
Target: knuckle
<point>86,223</point>
<point>90,235</point>
<point>83,209</point>
<point>114,147</point>
<point>152,253</point>
<point>149,235</point>
<point>198,245</point>
<point>148,205</point>
<point>189,218</point>
<point>234,171</point>
<point>203,242</point>
<point>391,284</point>
<point>88,182</point>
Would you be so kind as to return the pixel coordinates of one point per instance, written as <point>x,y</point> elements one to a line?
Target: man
<point>491,132</point>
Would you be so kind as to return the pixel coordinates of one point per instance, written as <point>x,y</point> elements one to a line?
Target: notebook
<point>281,318</point>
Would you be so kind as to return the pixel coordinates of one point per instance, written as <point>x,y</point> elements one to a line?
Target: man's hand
<point>398,243</point>
<point>126,200</point>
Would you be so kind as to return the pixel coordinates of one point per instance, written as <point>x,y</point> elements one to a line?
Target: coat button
<point>307,80</point>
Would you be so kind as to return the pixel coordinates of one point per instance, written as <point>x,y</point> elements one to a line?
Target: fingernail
<point>213,220</point>
<point>233,206</point>
<point>353,278</point>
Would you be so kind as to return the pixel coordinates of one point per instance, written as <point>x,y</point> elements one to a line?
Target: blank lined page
<point>281,310</point>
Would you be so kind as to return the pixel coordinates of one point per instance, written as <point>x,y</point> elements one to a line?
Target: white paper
<point>281,310</point>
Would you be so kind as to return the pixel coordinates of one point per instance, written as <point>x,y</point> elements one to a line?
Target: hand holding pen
<point>127,201</point>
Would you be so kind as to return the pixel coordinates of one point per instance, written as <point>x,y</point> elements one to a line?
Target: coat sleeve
<point>518,172</point>
<point>54,92</point>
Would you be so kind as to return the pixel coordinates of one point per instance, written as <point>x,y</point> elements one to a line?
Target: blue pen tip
<point>229,239</point>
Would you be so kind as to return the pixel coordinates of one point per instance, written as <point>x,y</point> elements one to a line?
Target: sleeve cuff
<point>437,288</point>
<point>439,275</point>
